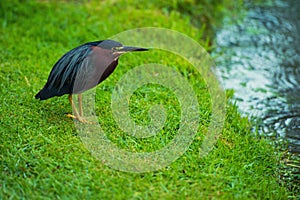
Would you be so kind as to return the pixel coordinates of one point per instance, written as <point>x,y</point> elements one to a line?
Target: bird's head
<point>117,48</point>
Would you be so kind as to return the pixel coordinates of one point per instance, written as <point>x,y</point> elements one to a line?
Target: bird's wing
<point>80,69</point>
<point>65,69</point>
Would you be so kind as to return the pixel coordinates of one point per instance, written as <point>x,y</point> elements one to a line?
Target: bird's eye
<point>116,48</point>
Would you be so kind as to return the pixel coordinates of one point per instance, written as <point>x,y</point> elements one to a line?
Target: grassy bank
<point>42,156</point>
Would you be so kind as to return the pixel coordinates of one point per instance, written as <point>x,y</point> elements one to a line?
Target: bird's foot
<point>79,118</point>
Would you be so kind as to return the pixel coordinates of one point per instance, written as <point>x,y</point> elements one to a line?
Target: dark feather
<point>62,76</point>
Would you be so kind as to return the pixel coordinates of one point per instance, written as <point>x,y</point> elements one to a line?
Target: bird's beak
<point>124,49</point>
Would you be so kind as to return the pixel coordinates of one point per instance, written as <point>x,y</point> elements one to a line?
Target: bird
<point>81,69</point>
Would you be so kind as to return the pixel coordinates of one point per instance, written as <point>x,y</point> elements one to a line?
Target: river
<point>260,60</point>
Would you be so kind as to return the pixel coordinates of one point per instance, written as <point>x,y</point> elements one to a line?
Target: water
<point>260,60</point>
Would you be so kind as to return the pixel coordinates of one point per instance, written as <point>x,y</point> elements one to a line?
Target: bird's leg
<point>76,116</point>
<point>80,105</point>
<point>73,108</point>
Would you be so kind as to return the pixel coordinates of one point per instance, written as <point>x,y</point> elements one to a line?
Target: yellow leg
<point>76,116</point>
<point>73,106</point>
<point>80,105</point>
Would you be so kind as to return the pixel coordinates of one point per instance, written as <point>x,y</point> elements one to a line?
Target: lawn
<point>42,155</point>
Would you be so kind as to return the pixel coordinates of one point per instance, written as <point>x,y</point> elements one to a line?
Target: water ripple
<point>260,60</point>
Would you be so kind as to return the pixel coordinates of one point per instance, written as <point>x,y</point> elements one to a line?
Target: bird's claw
<point>79,118</point>
<point>71,116</point>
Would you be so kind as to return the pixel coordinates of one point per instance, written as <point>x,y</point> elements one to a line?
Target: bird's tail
<point>44,94</point>
<point>47,93</point>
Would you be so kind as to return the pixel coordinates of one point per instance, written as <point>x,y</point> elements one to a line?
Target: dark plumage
<point>82,68</point>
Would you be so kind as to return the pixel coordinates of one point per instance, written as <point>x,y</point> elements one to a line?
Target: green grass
<point>41,154</point>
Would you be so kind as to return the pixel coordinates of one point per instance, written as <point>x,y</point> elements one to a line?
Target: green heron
<point>83,68</point>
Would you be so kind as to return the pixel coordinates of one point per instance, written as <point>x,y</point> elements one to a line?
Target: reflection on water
<point>260,60</point>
